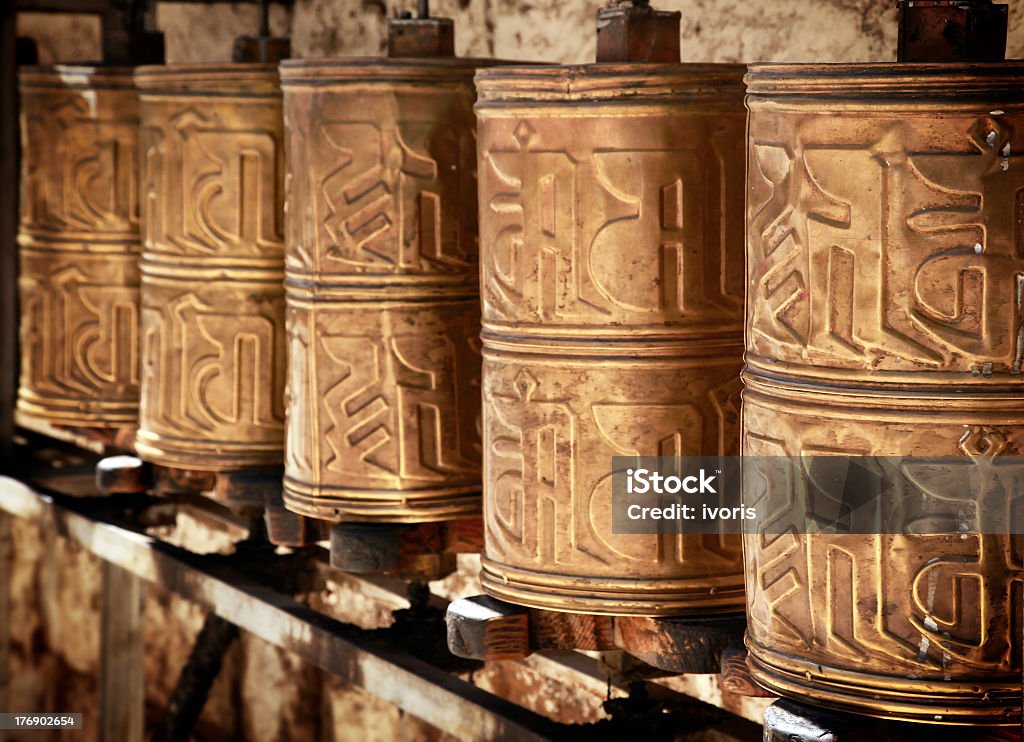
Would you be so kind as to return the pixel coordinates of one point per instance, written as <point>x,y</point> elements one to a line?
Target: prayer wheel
<point>884,318</point>
<point>382,284</point>
<point>79,248</point>
<point>213,342</point>
<point>611,201</point>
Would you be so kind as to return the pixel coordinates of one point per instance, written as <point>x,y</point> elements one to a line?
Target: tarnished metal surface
<point>611,253</point>
<point>884,318</point>
<point>79,245</point>
<point>383,309</point>
<point>213,347</point>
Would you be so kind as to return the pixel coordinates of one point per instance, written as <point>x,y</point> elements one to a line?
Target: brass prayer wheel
<point>383,300</point>
<point>884,291</point>
<point>611,200</point>
<point>79,248</point>
<point>213,343</point>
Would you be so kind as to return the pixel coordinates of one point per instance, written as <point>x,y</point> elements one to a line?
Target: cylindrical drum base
<point>885,278</point>
<point>213,347</point>
<point>917,627</point>
<point>611,254</point>
<point>382,284</point>
<point>79,248</point>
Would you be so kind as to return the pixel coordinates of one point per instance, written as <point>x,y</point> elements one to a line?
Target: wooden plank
<point>122,677</point>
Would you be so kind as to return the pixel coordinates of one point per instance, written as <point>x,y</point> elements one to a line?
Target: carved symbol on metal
<point>395,408</point>
<point>950,606</point>
<point>220,359</point>
<point>382,203</point>
<point>923,271</point>
<point>96,349</point>
<point>79,170</point>
<point>559,252</point>
<point>209,201</point>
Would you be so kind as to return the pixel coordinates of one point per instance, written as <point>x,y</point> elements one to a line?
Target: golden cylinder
<point>383,299</point>
<point>213,343</point>
<point>79,248</point>
<point>884,318</point>
<point>611,200</point>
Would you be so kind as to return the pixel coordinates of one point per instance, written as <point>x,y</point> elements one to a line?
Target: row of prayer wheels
<point>262,266</point>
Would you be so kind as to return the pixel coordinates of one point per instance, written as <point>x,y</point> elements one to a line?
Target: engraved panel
<point>938,608</point>
<point>567,207</point>
<point>211,183</point>
<point>548,463</point>
<point>394,411</point>
<point>886,245</point>
<point>384,185</point>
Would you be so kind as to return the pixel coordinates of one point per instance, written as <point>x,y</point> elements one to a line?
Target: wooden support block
<point>464,536</point>
<point>679,645</point>
<point>736,678</point>
<point>553,630</point>
<point>171,482</point>
<point>102,441</point>
<point>413,551</point>
<point>285,528</point>
<point>123,475</point>
<point>483,628</point>
<point>624,668</point>
<point>122,677</point>
<point>247,490</point>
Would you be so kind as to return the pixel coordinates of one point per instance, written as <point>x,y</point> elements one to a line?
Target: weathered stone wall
<point>548,30</point>
<point>262,693</point>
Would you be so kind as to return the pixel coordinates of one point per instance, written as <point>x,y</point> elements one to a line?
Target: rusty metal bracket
<point>951,31</point>
<point>421,36</point>
<point>262,48</point>
<point>636,32</point>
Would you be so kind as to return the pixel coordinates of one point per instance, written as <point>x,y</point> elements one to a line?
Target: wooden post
<point>6,565</point>
<point>122,680</point>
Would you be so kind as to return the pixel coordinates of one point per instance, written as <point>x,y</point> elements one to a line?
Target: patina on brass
<point>884,317</point>
<point>79,248</point>
<point>383,299</point>
<point>213,343</point>
<point>611,199</point>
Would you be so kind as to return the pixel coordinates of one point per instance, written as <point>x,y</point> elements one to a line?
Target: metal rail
<point>355,655</point>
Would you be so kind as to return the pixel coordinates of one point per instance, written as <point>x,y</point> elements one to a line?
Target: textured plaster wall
<point>548,30</point>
